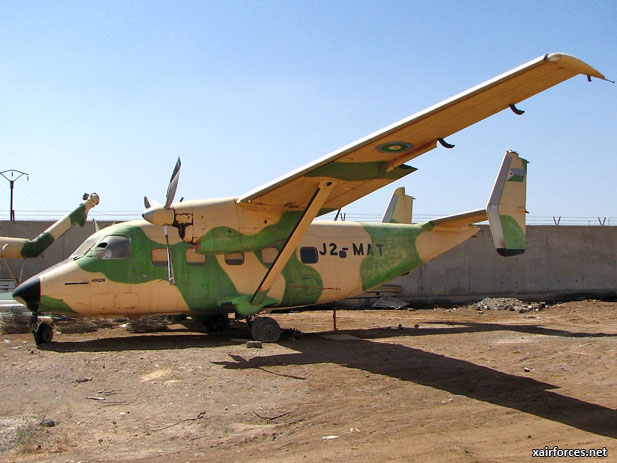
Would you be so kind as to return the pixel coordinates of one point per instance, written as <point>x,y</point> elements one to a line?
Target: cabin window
<point>112,247</point>
<point>234,258</point>
<point>268,255</point>
<point>308,255</point>
<point>194,259</point>
<point>159,257</point>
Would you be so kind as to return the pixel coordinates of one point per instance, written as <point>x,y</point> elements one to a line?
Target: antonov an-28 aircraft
<point>212,257</point>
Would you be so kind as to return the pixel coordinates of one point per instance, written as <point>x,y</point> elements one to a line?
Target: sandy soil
<point>462,386</point>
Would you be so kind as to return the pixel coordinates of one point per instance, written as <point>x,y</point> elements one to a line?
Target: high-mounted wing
<point>379,158</point>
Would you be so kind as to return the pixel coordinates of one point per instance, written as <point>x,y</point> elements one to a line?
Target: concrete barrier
<point>560,262</point>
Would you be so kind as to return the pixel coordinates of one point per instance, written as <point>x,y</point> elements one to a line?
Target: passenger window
<point>112,247</point>
<point>159,257</point>
<point>234,258</point>
<point>308,255</point>
<point>268,255</point>
<point>194,259</point>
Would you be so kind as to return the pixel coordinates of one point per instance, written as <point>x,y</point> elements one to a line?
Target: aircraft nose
<point>29,293</point>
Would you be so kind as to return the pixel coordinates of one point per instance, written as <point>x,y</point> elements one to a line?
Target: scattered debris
<point>512,304</point>
<point>14,319</point>
<point>527,369</point>
<point>71,325</point>
<point>329,437</point>
<point>83,380</point>
<point>198,417</point>
<point>148,324</point>
<point>94,397</point>
<point>271,418</point>
<point>254,344</point>
<point>389,302</point>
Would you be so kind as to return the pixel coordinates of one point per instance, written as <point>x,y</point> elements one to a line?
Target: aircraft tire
<point>265,329</point>
<point>43,334</point>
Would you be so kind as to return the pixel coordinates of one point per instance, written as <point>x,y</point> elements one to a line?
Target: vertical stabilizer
<point>400,208</point>
<point>506,206</point>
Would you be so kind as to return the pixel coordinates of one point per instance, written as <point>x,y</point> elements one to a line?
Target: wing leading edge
<point>379,158</point>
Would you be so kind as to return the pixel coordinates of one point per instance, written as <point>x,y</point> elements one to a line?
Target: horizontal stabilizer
<point>461,220</point>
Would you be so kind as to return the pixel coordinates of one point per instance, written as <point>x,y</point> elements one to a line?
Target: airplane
<point>25,248</point>
<point>263,250</point>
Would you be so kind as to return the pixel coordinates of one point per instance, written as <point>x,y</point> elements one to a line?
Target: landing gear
<point>43,333</point>
<point>265,329</point>
<point>216,323</point>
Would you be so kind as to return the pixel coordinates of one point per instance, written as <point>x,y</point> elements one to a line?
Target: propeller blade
<point>170,265</point>
<point>173,184</point>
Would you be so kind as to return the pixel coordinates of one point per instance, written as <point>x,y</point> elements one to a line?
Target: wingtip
<point>572,63</point>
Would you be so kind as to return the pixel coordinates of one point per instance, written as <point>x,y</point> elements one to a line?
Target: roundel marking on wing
<point>394,147</point>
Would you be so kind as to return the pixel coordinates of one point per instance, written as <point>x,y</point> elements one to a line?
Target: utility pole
<point>12,181</point>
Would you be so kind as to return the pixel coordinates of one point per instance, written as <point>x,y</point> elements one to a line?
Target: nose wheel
<point>43,332</point>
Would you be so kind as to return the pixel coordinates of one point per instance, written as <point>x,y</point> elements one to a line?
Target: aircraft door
<point>111,288</point>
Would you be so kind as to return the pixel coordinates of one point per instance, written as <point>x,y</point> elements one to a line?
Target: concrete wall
<point>58,251</point>
<point>560,261</point>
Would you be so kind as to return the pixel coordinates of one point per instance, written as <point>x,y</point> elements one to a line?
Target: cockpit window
<point>112,247</point>
<point>83,248</point>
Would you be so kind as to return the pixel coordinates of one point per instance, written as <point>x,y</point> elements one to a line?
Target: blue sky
<point>104,95</point>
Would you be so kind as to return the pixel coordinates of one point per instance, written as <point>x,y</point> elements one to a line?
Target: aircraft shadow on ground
<point>454,327</point>
<point>448,374</point>
<point>415,365</point>
<point>144,342</point>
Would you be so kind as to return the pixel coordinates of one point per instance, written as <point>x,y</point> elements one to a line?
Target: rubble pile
<point>14,320</point>
<point>505,303</point>
<point>148,324</point>
<point>69,325</point>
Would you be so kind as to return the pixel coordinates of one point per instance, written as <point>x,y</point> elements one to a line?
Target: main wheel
<point>265,329</point>
<point>43,334</point>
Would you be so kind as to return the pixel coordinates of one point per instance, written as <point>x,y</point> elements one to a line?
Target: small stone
<point>254,344</point>
<point>527,369</point>
<point>48,423</point>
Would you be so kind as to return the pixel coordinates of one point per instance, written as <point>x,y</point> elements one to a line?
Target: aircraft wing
<point>378,159</point>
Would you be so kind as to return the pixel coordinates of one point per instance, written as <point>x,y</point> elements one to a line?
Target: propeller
<point>158,214</point>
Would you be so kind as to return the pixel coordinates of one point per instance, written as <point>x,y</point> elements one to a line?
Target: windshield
<point>112,247</point>
<point>83,248</point>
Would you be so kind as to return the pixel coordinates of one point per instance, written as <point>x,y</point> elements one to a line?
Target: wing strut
<point>311,211</point>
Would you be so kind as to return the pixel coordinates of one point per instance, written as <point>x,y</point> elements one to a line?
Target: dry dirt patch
<point>462,386</point>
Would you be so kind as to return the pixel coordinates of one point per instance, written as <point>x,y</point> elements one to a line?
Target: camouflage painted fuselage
<point>334,260</point>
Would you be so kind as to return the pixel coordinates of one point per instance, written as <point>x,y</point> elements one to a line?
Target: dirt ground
<point>464,385</point>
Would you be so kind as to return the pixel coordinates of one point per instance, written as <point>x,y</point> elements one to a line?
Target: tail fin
<point>400,208</point>
<point>506,206</point>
